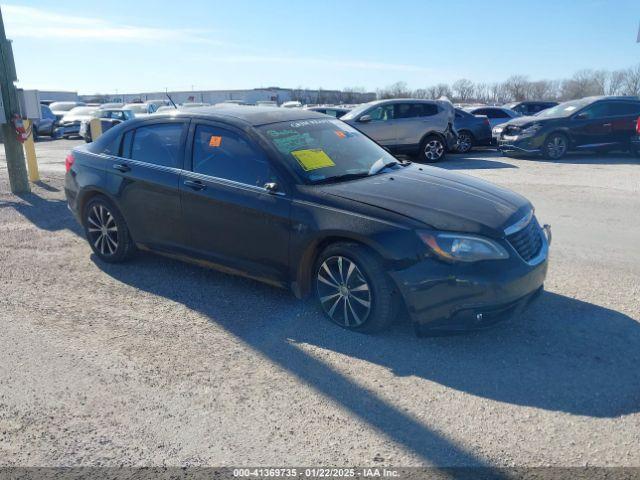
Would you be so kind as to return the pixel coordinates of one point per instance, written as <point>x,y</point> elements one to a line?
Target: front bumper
<point>455,297</point>
<point>70,128</point>
<point>528,144</point>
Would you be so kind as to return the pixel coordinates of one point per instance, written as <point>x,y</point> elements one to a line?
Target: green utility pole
<point>12,147</point>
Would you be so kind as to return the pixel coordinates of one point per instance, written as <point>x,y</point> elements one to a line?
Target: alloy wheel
<point>464,143</point>
<point>556,147</point>
<point>103,231</point>
<point>344,293</point>
<point>433,150</point>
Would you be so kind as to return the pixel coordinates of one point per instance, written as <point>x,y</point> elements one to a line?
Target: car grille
<point>528,241</point>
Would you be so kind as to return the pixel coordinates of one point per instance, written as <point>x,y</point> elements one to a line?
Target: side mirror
<point>271,187</point>
<point>365,118</point>
<point>581,116</point>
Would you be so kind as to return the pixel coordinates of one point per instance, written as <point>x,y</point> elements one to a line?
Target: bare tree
<point>515,87</point>
<point>631,84</point>
<point>462,90</point>
<point>584,83</point>
<point>482,93</point>
<point>396,90</point>
<point>615,85</point>
<point>541,90</point>
<point>439,90</point>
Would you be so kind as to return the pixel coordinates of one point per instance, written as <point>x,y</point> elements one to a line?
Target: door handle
<point>606,125</point>
<point>195,184</point>
<point>122,167</point>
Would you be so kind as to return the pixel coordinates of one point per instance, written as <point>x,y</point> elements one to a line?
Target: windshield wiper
<point>343,177</point>
<point>378,167</point>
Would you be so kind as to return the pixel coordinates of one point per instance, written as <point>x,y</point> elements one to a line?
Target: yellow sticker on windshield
<point>313,159</point>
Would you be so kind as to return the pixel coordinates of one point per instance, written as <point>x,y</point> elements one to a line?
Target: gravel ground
<point>157,362</point>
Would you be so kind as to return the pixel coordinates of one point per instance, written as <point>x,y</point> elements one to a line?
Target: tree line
<point>583,83</point>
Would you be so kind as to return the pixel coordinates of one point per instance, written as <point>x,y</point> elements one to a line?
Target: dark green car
<point>599,124</point>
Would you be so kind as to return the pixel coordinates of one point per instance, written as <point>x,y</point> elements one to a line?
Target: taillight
<point>486,121</point>
<point>638,126</point>
<point>68,162</point>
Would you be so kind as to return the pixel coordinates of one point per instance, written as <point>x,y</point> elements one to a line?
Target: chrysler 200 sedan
<point>303,201</point>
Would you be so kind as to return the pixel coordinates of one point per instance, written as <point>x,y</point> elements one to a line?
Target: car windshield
<point>62,106</point>
<point>327,150</point>
<point>565,109</point>
<point>350,115</point>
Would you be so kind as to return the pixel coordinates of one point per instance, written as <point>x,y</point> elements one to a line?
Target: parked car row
<point>427,129</point>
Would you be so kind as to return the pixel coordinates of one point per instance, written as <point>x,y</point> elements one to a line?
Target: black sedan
<point>306,202</point>
<point>473,130</point>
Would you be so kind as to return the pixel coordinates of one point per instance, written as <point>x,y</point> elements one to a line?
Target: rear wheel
<point>106,231</point>
<point>556,146</point>
<point>465,142</point>
<point>353,289</point>
<point>432,149</point>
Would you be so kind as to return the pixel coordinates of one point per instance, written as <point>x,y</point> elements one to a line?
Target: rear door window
<point>221,153</point>
<point>625,108</point>
<point>415,110</point>
<point>157,144</point>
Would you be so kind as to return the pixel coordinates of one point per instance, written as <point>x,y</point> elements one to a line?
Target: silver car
<point>418,127</point>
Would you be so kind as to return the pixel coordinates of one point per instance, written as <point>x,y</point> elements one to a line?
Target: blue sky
<point>135,45</point>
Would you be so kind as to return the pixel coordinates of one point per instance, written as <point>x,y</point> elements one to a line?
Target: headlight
<point>531,130</point>
<point>462,248</point>
<point>498,129</point>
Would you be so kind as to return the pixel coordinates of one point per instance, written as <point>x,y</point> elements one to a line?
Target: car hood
<point>528,120</point>
<point>438,198</point>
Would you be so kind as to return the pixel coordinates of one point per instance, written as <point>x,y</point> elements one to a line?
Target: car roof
<point>254,116</point>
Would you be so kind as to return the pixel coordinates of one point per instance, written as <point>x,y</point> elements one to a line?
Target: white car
<point>72,120</point>
<point>141,109</point>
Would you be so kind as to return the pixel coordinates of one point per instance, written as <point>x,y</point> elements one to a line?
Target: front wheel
<point>353,289</point>
<point>556,146</point>
<point>106,231</point>
<point>432,149</point>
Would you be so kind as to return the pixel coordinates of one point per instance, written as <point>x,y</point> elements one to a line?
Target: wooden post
<point>12,147</point>
<point>30,150</point>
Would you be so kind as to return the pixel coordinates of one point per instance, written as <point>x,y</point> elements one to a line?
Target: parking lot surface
<point>156,362</point>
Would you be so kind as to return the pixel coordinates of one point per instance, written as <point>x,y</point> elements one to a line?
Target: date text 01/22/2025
<point>372,472</point>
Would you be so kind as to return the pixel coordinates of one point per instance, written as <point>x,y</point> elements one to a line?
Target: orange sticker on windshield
<point>341,134</point>
<point>215,141</point>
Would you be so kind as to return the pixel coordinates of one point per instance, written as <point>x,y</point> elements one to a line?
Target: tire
<point>555,146</point>
<point>466,142</point>
<point>106,231</point>
<point>370,304</point>
<point>432,149</point>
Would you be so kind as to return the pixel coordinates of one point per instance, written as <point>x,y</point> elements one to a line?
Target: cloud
<point>29,22</point>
